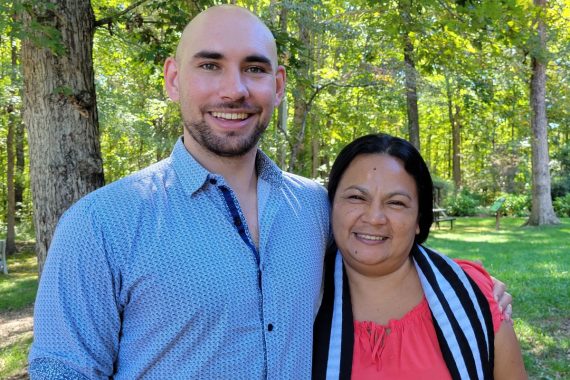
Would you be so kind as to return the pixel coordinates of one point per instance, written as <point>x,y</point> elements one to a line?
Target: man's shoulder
<point>304,184</point>
<point>127,192</point>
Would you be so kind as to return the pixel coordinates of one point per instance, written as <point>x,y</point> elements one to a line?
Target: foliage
<point>463,203</point>
<point>535,264</point>
<point>562,205</point>
<point>350,67</point>
<point>516,204</point>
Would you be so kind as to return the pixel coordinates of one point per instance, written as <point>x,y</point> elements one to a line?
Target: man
<point>207,264</point>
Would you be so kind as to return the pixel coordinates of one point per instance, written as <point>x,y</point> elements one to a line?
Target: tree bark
<point>60,113</point>
<point>456,137</point>
<point>410,75</point>
<point>11,201</point>
<point>300,103</point>
<point>542,212</point>
<point>10,157</point>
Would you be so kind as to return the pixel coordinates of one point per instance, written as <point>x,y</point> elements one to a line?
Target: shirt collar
<point>193,175</point>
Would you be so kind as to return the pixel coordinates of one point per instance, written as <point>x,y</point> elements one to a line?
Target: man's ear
<point>280,79</point>
<point>171,78</point>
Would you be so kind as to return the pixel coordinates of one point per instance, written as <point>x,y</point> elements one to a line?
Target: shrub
<point>462,204</point>
<point>562,205</point>
<point>516,204</point>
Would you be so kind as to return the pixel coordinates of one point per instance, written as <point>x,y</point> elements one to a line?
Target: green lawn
<point>17,291</point>
<point>534,262</point>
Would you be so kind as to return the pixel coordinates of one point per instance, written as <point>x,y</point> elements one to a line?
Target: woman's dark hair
<point>413,163</point>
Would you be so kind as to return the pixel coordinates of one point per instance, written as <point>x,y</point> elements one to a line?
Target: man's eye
<point>255,70</point>
<point>356,197</point>
<point>209,66</point>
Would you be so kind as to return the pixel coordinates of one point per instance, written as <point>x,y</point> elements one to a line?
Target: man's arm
<point>76,317</point>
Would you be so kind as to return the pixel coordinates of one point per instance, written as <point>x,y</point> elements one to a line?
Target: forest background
<point>481,87</point>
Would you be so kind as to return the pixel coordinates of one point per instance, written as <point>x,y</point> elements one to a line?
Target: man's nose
<point>233,86</point>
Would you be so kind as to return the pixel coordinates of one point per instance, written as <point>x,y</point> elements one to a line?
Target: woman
<point>393,309</point>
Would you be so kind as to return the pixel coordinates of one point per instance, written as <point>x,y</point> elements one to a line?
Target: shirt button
<point>237,221</point>
<point>270,327</point>
<point>213,181</point>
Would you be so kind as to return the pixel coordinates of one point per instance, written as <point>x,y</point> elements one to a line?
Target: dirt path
<point>14,326</point>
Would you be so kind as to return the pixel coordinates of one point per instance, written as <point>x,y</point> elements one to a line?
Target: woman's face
<point>375,214</point>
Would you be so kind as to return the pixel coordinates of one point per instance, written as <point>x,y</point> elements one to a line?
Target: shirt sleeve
<point>483,280</point>
<point>76,314</point>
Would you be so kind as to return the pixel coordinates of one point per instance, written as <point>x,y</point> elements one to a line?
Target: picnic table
<point>440,215</point>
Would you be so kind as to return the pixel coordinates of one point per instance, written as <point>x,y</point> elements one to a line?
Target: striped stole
<point>460,313</point>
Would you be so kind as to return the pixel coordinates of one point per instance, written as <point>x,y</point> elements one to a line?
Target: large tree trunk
<point>542,211</point>
<point>60,113</point>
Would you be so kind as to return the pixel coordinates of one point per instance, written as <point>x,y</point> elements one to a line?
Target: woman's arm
<point>508,358</point>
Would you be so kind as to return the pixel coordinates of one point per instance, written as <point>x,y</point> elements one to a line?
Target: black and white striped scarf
<point>460,313</point>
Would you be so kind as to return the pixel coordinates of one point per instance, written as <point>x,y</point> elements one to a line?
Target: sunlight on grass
<point>14,358</point>
<point>18,288</point>
<point>534,262</point>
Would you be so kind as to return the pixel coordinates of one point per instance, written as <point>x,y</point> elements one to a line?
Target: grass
<point>17,291</point>
<point>18,288</point>
<point>535,264</point>
<point>14,358</point>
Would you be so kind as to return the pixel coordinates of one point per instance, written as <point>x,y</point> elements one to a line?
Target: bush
<point>516,205</point>
<point>462,204</point>
<point>562,205</point>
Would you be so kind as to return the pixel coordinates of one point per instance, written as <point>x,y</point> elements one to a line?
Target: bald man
<point>206,265</point>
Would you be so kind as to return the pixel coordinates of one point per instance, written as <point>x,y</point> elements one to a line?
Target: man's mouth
<point>370,237</point>
<point>230,115</point>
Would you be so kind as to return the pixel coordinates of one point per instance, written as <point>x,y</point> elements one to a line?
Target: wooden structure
<point>3,263</point>
<point>496,209</point>
<point>440,215</point>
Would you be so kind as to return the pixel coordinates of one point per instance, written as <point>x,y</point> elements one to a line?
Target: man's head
<point>226,78</point>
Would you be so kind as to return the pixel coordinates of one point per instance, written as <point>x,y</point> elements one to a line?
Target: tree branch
<point>110,19</point>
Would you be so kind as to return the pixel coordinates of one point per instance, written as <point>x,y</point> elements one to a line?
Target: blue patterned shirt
<point>156,276</point>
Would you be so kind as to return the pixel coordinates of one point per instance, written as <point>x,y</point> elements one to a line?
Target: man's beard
<point>229,145</point>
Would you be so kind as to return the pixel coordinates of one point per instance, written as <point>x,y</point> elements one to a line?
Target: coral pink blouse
<point>408,348</point>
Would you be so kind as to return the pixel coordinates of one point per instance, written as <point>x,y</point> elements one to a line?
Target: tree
<point>10,161</point>
<point>60,110</point>
<point>542,211</point>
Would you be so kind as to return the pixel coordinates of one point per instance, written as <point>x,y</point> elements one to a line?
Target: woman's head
<point>403,151</point>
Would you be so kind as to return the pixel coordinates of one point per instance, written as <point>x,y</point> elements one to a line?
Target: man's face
<point>227,81</point>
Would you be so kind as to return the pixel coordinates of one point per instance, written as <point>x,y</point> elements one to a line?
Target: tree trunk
<point>542,211</point>
<point>19,136</point>
<point>456,137</point>
<point>410,74</point>
<point>60,113</point>
<point>456,125</point>
<point>11,201</point>
<point>10,156</point>
<point>300,102</point>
